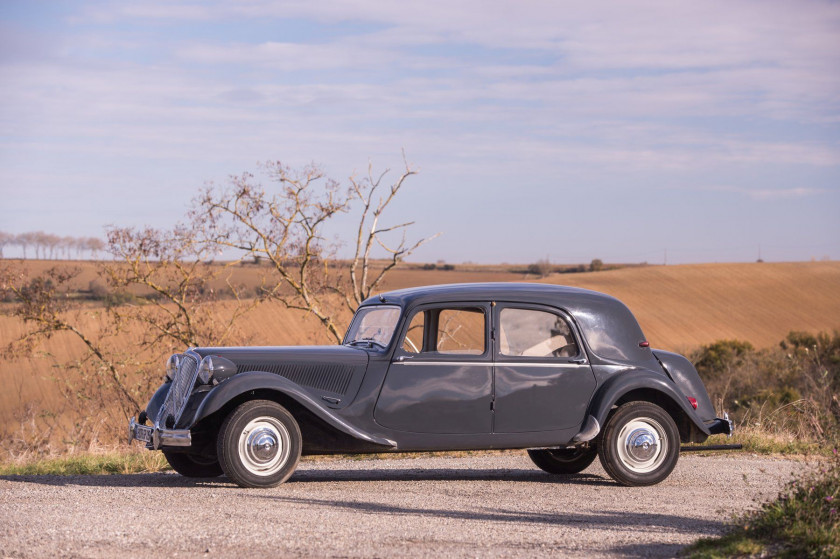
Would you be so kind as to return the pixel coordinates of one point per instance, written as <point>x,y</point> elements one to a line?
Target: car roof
<point>548,294</point>
<point>609,327</point>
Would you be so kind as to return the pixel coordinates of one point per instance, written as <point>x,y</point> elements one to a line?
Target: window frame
<point>430,332</point>
<point>499,357</point>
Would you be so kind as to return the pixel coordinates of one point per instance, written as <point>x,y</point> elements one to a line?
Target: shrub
<point>720,357</point>
<point>98,289</point>
<point>792,388</point>
<point>540,268</point>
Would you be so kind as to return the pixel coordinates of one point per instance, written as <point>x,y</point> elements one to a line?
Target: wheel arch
<point>319,426</point>
<point>643,386</point>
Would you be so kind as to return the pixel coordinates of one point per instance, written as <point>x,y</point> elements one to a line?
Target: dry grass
<point>134,460</point>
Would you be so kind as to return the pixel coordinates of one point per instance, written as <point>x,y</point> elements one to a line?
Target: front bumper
<point>155,437</point>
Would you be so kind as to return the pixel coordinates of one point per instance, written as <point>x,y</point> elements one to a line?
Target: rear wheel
<point>640,444</point>
<point>564,460</point>
<point>259,444</point>
<point>192,465</point>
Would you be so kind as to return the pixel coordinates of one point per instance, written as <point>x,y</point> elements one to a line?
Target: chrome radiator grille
<point>180,390</point>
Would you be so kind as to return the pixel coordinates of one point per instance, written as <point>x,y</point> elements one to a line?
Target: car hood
<point>325,369</point>
<point>327,353</point>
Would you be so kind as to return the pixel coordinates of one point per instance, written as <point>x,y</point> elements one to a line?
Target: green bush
<point>791,388</point>
<point>804,521</point>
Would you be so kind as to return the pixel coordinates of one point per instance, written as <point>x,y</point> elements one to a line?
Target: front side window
<point>447,331</point>
<point>533,333</point>
<point>461,331</point>
<point>373,326</point>
<point>413,341</point>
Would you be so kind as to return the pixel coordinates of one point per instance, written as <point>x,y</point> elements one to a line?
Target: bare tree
<point>95,246</point>
<point>169,266</point>
<point>38,240</point>
<point>285,227</point>
<point>370,233</point>
<point>5,239</point>
<point>51,242</point>
<point>43,303</point>
<point>65,245</point>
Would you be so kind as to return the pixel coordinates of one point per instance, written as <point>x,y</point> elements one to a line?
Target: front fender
<point>156,401</point>
<point>640,379</point>
<point>242,383</point>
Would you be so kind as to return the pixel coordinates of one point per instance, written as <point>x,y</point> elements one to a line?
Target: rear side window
<point>534,333</point>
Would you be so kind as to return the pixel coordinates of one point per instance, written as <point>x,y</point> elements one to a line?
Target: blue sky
<point>541,129</point>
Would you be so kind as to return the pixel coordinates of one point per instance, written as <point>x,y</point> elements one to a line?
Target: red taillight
<point>644,344</point>
<point>693,402</point>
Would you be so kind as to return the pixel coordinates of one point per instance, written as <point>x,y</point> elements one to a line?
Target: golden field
<point>679,308</point>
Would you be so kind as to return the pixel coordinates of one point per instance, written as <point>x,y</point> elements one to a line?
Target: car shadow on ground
<point>491,513</point>
<point>614,520</point>
<point>364,475</point>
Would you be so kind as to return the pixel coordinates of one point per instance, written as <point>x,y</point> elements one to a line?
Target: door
<point>543,381</point>
<point>441,377</point>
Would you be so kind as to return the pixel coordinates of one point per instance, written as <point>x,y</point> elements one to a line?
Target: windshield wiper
<point>369,341</point>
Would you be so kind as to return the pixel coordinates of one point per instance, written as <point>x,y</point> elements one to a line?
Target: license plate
<point>143,433</point>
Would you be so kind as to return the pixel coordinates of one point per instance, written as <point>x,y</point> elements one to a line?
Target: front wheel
<point>259,444</point>
<point>192,465</point>
<point>563,460</point>
<point>640,444</point>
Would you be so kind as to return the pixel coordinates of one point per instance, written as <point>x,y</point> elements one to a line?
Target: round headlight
<point>172,367</point>
<point>205,370</point>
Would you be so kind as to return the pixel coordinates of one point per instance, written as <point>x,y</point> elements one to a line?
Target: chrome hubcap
<point>642,445</point>
<point>264,446</point>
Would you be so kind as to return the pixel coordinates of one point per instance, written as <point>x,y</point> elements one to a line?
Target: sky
<point>654,132</point>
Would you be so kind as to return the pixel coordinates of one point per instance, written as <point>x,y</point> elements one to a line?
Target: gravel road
<point>491,505</point>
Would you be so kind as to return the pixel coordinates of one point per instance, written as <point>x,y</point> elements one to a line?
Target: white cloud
<point>769,194</point>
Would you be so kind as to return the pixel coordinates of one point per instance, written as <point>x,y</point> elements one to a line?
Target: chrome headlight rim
<point>172,366</point>
<point>205,370</point>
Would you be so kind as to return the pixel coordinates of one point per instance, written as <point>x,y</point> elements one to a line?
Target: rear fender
<point>262,382</point>
<point>640,384</point>
<point>687,381</point>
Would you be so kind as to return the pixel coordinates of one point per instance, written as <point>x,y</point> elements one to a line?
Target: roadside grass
<point>134,459</point>
<point>117,461</point>
<point>803,521</point>
<point>759,441</point>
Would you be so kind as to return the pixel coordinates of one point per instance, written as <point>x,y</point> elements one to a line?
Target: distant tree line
<point>544,268</point>
<point>48,246</point>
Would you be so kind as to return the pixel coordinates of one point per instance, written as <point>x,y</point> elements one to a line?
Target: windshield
<point>373,325</point>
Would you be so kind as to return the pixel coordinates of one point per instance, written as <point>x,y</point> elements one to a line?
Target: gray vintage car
<point>563,372</point>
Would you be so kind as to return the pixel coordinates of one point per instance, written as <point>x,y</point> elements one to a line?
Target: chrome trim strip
<point>485,363</point>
